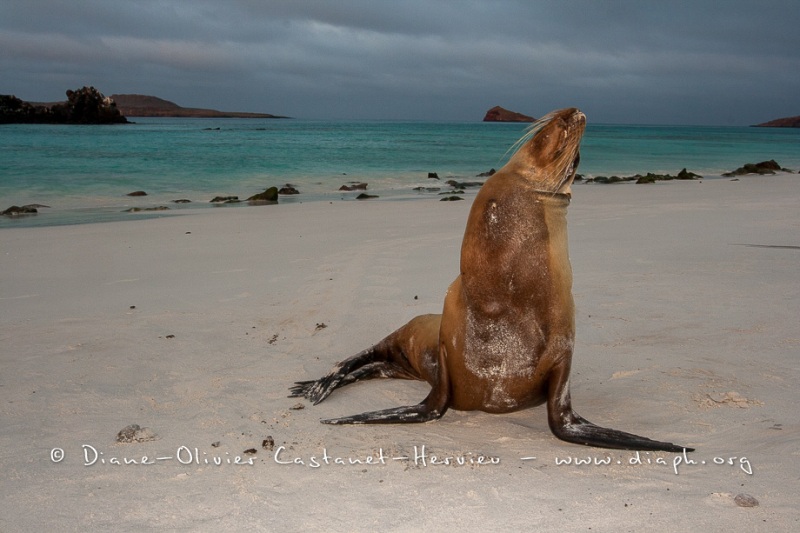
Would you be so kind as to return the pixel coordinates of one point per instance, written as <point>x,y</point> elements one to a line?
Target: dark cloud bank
<point>700,62</point>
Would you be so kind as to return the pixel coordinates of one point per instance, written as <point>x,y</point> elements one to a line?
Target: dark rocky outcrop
<point>765,167</point>
<point>288,190</point>
<point>365,196</point>
<point>433,176</point>
<point>685,175</point>
<point>137,193</point>
<point>269,196</point>
<point>610,179</point>
<point>450,199</point>
<point>786,122</point>
<point>142,209</point>
<point>16,210</point>
<point>645,178</point>
<point>354,186</point>
<point>225,200</point>
<point>464,184</point>
<point>499,114</point>
<point>139,105</point>
<point>486,174</point>
<point>83,106</point>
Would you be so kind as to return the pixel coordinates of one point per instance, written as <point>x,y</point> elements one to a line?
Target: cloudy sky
<point>661,62</point>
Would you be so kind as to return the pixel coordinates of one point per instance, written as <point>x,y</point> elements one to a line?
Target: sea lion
<point>505,337</point>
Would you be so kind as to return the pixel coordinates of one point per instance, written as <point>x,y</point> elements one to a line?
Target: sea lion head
<point>548,154</point>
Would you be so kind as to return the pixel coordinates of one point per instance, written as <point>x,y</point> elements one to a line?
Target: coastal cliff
<point>139,105</point>
<point>499,114</point>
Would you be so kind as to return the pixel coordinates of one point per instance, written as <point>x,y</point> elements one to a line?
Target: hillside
<point>139,105</point>
<point>787,122</point>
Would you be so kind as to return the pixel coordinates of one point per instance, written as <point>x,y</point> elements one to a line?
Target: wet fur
<point>504,340</point>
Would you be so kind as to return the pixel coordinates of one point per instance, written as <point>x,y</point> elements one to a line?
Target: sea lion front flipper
<point>581,431</point>
<point>569,426</point>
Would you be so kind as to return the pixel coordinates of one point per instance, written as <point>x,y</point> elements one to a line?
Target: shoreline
<point>76,170</point>
<point>194,327</point>
<point>152,206</point>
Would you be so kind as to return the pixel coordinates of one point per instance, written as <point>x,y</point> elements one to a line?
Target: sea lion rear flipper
<point>404,354</point>
<point>431,408</point>
<point>365,365</point>
<point>421,412</point>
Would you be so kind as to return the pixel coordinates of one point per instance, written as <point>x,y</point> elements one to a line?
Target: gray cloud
<point>706,62</point>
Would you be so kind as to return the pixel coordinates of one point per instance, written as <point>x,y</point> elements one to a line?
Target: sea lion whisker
<point>530,132</point>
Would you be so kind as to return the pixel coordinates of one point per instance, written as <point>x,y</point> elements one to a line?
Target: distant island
<point>139,105</point>
<point>787,122</point>
<point>89,106</point>
<point>499,114</point>
<point>83,106</point>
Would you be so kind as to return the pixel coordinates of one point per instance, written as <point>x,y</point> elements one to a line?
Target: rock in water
<point>140,209</point>
<point>685,175</point>
<point>270,196</point>
<point>764,167</point>
<point>225,200</point>
<point>16,210</point>
<point>354,186</point>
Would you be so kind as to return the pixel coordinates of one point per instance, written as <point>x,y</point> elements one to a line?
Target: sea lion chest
<point>515,296</point>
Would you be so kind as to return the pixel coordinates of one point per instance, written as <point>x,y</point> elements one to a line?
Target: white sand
<point>686,333</point>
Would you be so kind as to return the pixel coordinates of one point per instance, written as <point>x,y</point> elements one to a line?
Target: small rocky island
<point>499,114</point>
<point>83,106</point>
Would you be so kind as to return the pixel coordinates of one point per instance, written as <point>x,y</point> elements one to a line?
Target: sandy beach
<point>194,326</point>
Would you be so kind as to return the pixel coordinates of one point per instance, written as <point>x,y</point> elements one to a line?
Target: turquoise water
<point>85,172</point>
